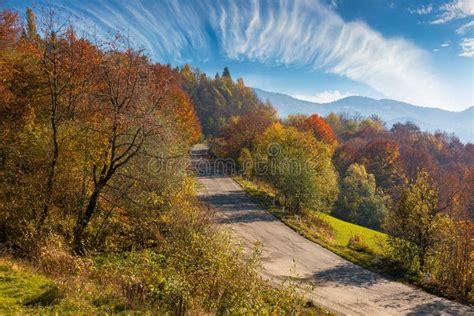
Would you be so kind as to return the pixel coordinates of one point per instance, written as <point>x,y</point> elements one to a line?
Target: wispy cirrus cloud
<point>467,47</point>
<point>333,4</point>
<point>423,10</point>
<point>465,27</point>
<point>302,34</point>
<point>454,10</point>
<point>307,34</point>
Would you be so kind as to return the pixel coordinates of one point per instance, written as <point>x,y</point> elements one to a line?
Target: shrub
<point>358,244</point>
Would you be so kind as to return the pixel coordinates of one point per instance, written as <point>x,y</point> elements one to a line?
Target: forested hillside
<point>95,189</point>
<point>218,99</point>
<point>429,119</point>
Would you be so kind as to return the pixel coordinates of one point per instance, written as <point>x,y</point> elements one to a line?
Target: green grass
<point>21,290</point>
<point>345,230</point>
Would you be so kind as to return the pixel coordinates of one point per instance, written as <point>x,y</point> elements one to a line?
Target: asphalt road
<point>339,285</point>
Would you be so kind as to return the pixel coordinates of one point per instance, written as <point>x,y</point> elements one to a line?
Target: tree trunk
<point>52,170</point>
<point>84,219</point>
<point>421,258</point>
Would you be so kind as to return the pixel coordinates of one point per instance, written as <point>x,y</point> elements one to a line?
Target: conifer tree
<point>226,73</point>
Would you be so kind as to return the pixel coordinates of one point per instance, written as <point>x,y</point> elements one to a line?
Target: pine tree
<point>226,73</point>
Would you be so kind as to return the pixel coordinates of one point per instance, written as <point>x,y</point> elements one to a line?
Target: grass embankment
<point>23,291</point>
<point>133,283</point>
<point>357,244</point>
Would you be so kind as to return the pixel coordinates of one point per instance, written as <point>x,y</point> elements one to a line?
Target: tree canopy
<point>298,166</point>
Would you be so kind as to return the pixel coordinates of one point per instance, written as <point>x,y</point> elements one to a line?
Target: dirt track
<point>340,286</point>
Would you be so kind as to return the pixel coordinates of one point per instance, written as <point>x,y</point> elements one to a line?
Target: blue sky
<point>416,51</point>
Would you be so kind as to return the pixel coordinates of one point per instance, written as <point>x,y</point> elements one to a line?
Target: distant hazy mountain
<point>391,111</point>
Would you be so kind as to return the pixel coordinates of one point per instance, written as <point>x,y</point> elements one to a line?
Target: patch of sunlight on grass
<point>345,230</point>
<point>20,288</point>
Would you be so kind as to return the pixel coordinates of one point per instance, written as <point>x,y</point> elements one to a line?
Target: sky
<point>416,51</point>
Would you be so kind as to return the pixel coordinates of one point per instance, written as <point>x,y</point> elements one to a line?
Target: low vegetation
<point>22,290</point>
<point>194,270</point>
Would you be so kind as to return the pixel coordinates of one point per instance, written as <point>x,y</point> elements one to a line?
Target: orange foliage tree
<point>381,158</point>
<point>80,125</point>
<point>317,125</point>
<point>241,131</point>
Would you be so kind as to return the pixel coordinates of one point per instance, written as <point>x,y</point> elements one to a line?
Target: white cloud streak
<point>467,47</point>
<point>423,10</point>
<point>307,34</point>
<point>464,28</point>
<point>333,4</point>
<point>454,10</point>
<point>304,34</point>
<point>325,96</point>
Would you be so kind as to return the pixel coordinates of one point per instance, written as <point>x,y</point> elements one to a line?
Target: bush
<point>358,244</point>
<point>195,270</point>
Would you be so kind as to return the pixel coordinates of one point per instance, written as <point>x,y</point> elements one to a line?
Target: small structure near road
<point>200,159</point>
<point>200,151</point>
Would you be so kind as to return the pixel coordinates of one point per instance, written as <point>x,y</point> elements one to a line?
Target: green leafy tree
<point>413,223</point>
<point>298,166</point>
<point>359,201</point>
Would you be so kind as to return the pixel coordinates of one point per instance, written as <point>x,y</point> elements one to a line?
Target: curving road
<point>340,286</point>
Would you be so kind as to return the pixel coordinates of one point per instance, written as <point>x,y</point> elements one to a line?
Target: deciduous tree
<point>240,131</point>
<point>413,223</point>
<point>381,158</point>
<point>298,166</point>
<point>317,125</point>
<point>359,200</point>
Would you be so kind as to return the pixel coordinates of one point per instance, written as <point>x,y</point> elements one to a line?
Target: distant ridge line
<point>391,111</point>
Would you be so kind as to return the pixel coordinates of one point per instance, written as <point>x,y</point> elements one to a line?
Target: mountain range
<point>391,111</point>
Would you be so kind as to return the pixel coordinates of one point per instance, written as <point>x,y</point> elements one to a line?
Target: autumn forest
<point>98,194</point>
